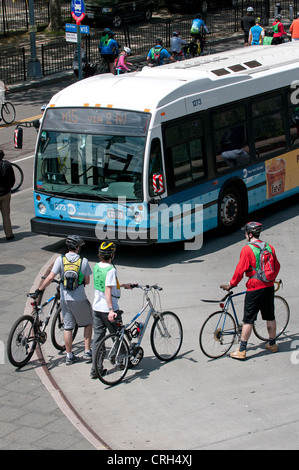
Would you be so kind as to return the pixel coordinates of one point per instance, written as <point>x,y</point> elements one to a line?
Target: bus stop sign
<point>78,10</point>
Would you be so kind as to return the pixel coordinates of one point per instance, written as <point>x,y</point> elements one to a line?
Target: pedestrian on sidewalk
<point>7,180</point>
<point>294,29</point>
<point>260,294</point>
<point>74,272</point>
<point>106,312</point>
<point>247,22</point>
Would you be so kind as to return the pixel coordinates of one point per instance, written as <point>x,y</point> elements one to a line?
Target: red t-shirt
<point>246,266</point>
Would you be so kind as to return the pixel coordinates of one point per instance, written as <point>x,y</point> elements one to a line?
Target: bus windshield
<point>91,154</point>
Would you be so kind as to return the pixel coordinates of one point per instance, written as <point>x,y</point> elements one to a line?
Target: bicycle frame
<point>151,312</point>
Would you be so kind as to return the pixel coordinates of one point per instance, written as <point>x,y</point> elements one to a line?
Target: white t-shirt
<point>99,302</point>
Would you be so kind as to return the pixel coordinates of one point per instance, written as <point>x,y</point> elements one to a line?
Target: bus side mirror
<point>18,138</point>
<point>158,183</point>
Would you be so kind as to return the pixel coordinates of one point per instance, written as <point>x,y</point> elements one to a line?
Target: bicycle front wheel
<point>217,334</point>
<point>282,316</point>
<point>207,48</point>
<point>112,359</point>
<point>8,112</point>
<point>57,330</point>
<point>22,341</point>
<point>166,336</point>
<point>19,176</point>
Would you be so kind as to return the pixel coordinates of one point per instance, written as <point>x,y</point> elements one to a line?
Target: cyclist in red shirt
<point>259,295</point>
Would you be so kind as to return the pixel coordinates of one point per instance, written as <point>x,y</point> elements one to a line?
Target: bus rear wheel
<point>231,209</point>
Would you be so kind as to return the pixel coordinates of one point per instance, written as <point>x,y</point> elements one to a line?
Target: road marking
<point>22,159</point>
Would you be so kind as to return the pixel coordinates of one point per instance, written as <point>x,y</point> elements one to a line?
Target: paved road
<point>191,403</point>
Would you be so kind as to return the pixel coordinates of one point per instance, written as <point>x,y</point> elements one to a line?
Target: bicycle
<point>221,329</point>
<point>8,112</point>
<point>29,330</point>
<point>116,353</point>
<point>19,176</point>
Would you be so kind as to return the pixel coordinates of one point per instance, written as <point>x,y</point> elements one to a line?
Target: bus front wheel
<point>232,209</point>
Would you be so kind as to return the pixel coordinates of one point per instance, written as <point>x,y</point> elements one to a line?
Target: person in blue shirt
<point>157,54</point>
<point>109,51</point>
<point>256,34</point>
<point>197,25</point>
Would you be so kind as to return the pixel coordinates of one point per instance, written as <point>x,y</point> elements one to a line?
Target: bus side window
<point>155,164</point>
<point>268,127</point>
<point>231,138</point>
<point>293,114</point>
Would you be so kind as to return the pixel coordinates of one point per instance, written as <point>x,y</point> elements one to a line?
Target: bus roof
<point>155,87</point>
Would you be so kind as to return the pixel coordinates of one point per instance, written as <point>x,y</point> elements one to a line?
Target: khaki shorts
<point>76,312</point>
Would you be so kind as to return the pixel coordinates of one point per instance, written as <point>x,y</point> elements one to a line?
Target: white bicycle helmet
<point>250,9</point>
<point>127,50</point>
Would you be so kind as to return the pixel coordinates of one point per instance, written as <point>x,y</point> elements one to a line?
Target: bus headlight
<point>42,208</point>
<point>138,217</point>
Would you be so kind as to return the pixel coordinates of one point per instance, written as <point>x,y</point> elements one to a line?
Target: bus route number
<point>196,102</point>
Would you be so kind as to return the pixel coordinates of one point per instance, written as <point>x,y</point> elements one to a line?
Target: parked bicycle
<point>117,352</point>
<point>222,328</point>
<point>19,176</point>
<point>30,330</point>
<point>8,112</point>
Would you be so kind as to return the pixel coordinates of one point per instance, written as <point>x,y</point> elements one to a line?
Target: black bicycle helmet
<point>107,249</point>
<point>253,227</point>
<point>73,241</point>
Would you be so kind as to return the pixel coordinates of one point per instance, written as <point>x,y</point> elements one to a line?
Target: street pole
<point>34,67</point>
<point>79,51</point>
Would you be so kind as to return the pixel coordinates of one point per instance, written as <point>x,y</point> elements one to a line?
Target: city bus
<point>148,157</point>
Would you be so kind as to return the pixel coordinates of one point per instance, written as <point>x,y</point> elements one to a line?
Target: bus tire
<point>232,209</point>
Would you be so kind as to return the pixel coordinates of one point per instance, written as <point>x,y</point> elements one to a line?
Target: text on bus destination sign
<point>96,120</point>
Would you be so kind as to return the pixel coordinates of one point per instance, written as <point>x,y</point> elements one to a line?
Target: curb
<point>51,385</point>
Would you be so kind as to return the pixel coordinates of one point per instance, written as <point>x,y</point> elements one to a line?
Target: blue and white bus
<point>153,156</point>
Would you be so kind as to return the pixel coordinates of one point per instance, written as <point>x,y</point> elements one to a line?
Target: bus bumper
<point>55,228</point>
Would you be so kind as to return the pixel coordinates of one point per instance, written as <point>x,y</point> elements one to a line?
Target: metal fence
<point>14,15</point>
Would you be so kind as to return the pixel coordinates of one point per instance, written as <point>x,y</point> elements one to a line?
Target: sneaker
<point>71,360</point>
<point>238,354</point>
<point>93,374</point>
<point>87,356</point>
<point>272,347</point>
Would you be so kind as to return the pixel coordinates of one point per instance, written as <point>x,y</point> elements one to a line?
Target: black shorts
<point>109,58</point>
<point>259,300</point>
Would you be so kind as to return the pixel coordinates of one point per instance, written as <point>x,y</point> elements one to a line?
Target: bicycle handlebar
<point>145,287</point>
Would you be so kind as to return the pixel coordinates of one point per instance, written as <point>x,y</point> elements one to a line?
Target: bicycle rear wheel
<point>217,334</point>
<point>8,112</point>
<point>19,176</point>
<point>112,359</point>
<point>102,67</point>
<point>282,316</point>
<point>22,341</point>
<point>166,336</point>
<point>57,330</point>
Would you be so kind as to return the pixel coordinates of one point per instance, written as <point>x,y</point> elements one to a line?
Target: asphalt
<point>188,404</point>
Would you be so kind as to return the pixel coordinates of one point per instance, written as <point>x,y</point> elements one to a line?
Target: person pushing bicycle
<point>75,274</point>
<point>106,312</point>
<point>260,292</point>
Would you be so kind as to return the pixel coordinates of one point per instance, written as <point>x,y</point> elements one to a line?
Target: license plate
<point>115,214</point>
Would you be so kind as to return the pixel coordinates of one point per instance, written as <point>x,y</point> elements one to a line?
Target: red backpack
<point>265,262</point>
